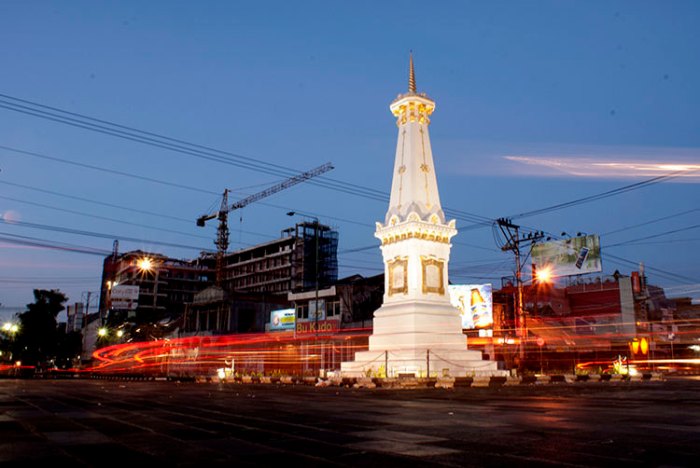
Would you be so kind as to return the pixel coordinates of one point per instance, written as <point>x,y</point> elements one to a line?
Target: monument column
<point>416,329</point>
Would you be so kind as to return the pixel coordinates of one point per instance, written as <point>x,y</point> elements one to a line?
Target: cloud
<point>604,167</point>
<point>10,216</point>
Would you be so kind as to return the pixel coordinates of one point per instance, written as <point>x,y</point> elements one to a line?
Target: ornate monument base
<point>419,338</point>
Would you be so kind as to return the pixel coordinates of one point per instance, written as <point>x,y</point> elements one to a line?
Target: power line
<point>94,202</point>
<point>34,242</point>
<point>98,234</point>
<point>650,222</point>
<point>108,171</point>
<point>600,196</point>
<point>655,235</point>
<point>193,149</point>
<point>105,218</point>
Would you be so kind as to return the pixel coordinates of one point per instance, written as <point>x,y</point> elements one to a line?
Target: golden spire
<point>411,76</point>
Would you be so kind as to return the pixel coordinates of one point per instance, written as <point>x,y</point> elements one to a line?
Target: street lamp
<point>316,226</point>
<point>540,277</point>
<point>10,328</point>
<point>148,265</point>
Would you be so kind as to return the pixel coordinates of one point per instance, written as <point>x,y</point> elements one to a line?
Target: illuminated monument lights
<point>416,330</point>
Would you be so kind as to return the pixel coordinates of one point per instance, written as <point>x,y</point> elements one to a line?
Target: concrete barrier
<point>481,381</point>
<point>445,382</point>
<point>364,382</point>
<point>510,380</point>
<point>463,381</point>
<point>309,380</point>
<point>543,379</point>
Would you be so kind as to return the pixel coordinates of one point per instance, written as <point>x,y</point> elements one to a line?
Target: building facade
<point>146,287</point>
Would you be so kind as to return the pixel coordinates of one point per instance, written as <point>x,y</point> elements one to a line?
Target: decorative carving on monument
<point>433,276</point>
<point>398,275</point>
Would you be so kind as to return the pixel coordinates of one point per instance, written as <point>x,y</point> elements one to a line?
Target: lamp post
<point>540,277</point>
<point>148,265</point>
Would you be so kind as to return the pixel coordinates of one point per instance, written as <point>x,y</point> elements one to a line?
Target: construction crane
<point>222,236</point>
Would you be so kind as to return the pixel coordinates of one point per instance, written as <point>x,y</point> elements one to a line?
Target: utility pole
<point>513,243</point>
<point>316,268</point>
<point>87,295</point>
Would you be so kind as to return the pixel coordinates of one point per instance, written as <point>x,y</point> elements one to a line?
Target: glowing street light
<point>145,264</point>
<point>544,275</point>
<point>102,332</point>
<point>11,328</point>
<point>148,265</point>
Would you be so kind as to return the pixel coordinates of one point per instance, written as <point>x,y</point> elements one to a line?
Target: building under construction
<point>290,263</point>
<point>256,280</point>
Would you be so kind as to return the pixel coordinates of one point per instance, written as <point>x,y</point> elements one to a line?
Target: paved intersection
<point>116,423</point>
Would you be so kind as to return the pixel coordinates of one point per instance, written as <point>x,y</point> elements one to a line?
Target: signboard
<point>322,326</point>
<point>125,292</point>
<point>475,302</point>
<point>283,319</point>
<point>313,313</point>
<point>125,305</point>
<point>567,257</point>
<point>124,297</point>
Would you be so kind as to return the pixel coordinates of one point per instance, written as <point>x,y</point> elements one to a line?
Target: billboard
<point>317,314</point>
<point>475,302</point>
<point>282,319</point>
<point>124,297</point>
<point>566,257</point>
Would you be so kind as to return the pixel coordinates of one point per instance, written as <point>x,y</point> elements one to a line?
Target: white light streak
<point>606,168</point>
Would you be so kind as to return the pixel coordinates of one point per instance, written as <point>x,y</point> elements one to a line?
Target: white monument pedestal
<point>419,338</point>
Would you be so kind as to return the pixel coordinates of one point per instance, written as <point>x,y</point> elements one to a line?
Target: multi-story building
<point>257,280</point>
<point>145,287</point>
<point>290,263</point>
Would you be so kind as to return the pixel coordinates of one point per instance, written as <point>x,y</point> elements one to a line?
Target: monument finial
<point>411,76</point>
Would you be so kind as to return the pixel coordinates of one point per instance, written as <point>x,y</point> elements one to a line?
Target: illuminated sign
<point>567,257</point>
<point>124,293</point>
<point>475,302</point>
<point>282,319</point>
<point>124,297</point>
<point>322,326</point>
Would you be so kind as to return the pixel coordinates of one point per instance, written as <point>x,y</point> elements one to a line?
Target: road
<point>87,422</point>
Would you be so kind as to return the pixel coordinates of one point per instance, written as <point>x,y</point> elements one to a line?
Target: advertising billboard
<point>282,319</point>
<point>317,314</point>
<point>567,257</point>
<point>475,302</point>
<point>124,297</point>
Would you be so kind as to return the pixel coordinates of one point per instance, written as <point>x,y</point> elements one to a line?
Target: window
<point>302,311</point>
<point>333,309</point>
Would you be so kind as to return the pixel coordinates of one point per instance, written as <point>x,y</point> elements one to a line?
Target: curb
<point>444,382</point>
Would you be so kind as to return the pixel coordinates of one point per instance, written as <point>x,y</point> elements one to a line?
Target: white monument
<point>416,330</point>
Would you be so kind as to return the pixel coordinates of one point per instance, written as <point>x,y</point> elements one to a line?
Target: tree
<point>38,337</point>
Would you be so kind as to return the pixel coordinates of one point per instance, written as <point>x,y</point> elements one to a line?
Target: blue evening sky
<point>534,99</point>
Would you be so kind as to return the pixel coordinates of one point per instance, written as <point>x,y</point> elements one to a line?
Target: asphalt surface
<point>101,423</point>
